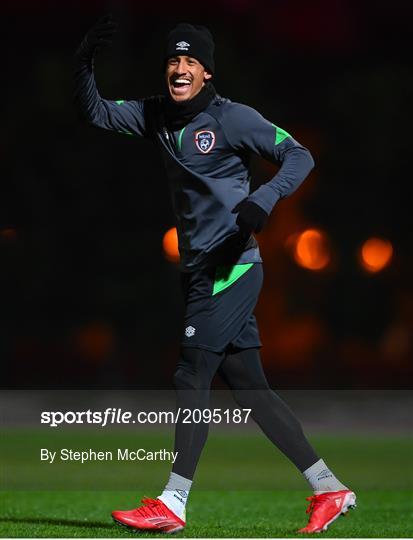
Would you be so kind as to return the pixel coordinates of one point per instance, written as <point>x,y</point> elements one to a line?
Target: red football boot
<point>327,507</point>
<point>154,515</point>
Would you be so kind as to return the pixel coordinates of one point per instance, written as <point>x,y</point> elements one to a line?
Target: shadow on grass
<point>62,522</point>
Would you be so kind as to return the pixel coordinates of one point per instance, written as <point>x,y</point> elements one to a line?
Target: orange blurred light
<point>8,233</point>
<point>376,254</point>
<point>95,341</point>
<point>170,245</point>
<point>311,249</point>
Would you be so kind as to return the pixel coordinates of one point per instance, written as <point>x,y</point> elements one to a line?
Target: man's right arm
<point>123,116</point>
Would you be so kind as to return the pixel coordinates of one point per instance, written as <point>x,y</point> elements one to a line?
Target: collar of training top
<point>180,113</point>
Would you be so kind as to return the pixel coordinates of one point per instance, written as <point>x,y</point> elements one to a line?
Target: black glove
<point>98,37</point>
<point>251,217</point>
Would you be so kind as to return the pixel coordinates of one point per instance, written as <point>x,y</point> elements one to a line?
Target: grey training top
<point>207,165</point>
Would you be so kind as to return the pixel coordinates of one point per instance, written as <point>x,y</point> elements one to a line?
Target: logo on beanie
<point>182,46</point>
<point>205,141</point>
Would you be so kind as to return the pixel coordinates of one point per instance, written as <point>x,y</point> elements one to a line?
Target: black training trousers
<point>243,373</point>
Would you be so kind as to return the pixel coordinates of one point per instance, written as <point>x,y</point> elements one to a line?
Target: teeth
<point>182,81</point>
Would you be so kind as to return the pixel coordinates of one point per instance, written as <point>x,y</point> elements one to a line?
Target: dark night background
<point>88,298</point>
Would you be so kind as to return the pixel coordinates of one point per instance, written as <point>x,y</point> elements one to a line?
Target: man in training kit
<point>206,142</point>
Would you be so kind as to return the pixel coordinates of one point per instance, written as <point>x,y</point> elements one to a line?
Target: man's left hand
<point>251,217</point>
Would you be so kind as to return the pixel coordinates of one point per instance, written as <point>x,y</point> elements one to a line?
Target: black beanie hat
<point>191,40</point>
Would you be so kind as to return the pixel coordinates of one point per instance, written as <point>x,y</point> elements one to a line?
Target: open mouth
<point>181,86</point>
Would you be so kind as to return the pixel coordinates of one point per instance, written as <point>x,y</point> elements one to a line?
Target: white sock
<point>321,479</point>
<point>175,494</point>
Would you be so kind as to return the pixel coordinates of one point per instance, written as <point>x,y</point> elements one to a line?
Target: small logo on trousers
<point>189,331</point>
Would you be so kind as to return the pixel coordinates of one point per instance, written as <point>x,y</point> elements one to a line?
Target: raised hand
<point>98,37</point>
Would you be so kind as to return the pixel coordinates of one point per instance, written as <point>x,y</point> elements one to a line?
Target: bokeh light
<point>95,341</point>
<point>310,249</point>
<point>376,254</point>
<point>170,245</point>
<point>8,233</point>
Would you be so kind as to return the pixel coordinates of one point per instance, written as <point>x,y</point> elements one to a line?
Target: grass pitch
<point>243,487</point>
<point>257,514</point>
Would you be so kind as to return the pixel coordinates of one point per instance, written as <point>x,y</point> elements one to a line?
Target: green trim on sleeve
<point>180,138</point>
<point>227,275</point>
<point>280,134</point>
<point>125,132</point>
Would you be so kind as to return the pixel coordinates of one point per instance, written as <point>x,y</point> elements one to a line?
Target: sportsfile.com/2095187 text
<point>113,416</point>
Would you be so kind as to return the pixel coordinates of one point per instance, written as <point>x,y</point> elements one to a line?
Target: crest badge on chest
<point>205,141</point>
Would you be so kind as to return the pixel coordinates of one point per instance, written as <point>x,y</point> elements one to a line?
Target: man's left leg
<point>242,371</point>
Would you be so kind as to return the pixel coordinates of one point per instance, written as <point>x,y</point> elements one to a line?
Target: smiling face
<point>185,77</point>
